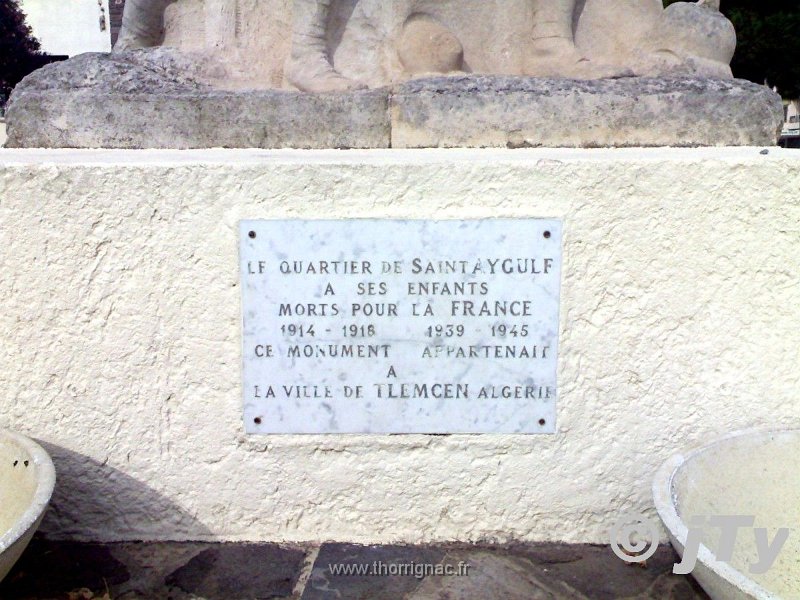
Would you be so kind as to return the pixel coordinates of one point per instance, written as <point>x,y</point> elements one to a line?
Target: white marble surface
<point>481,359</point>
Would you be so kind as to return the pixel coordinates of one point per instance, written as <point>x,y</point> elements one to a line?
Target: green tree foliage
<point>768,48</point>
<point>769,44</point>
<point>19,50</point>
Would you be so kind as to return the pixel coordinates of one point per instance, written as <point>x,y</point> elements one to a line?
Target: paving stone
<point>157,571</point>
<point>558,572</point>
<point>149,565</point>
<point>491,575</point>
<point>207,571</point>
<point>599,574</point>
<point>240,572</point>
<point>375,581</point>
<point>50,570</point>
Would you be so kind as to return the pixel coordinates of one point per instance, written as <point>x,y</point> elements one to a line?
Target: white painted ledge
<point>9,156</point>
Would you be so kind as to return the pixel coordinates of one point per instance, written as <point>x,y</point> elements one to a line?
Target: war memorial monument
<point>375,272</point>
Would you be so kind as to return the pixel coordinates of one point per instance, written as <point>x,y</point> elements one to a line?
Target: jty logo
<point>627,542</point>
<point>729,526</point>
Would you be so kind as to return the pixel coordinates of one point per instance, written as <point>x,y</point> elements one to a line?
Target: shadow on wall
<point>97,502</point>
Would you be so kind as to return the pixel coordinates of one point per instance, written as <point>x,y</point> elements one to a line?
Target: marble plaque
<point>377,326</point>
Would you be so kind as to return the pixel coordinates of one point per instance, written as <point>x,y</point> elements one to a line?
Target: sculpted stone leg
<point>309,68</point>
<point>553,48</point>
<point>425,47</point>
<point>142,24</point>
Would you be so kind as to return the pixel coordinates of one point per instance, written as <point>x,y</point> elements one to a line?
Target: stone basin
<point>27,478</point>
<point>752,473</point>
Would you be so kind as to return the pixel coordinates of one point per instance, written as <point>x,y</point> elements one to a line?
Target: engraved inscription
<point>377,326</point>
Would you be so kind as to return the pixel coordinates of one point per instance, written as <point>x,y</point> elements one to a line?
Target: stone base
<point>154,99</point>
<point>121,331</point>
<point>157,99</point>
<point>480,111</point>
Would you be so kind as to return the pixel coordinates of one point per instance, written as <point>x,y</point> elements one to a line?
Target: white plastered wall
<point>120,337</point>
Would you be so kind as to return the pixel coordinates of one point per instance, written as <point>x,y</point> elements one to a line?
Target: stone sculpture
<point>401,74</point>
<point>426,46</point>
<point>142,24</point>
<point>683,39</point>
<point>605,38</point>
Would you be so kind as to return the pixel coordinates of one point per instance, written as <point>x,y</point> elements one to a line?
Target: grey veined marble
<point>369,326</point>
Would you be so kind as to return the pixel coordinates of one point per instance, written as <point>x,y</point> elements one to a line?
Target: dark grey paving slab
<point>240,572</point>
<point>344,571</point>
<point>207,571</point>
<point>158,571</point>
<point>508,572</point>
<point>49,570</point>
<point>492,575</point>
<point>595,572</point>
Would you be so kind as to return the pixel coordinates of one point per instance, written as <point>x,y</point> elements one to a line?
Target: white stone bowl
<point>27,478</point>
<point>748,473</point>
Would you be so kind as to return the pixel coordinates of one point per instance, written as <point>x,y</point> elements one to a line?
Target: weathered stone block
<point>144,99</point>
<point>162,99</point>
<point>496,111</point>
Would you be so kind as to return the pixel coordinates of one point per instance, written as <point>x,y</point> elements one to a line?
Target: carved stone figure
<point>683,39</point>
<point>308,66</point>
<point>423,37</point>
<point>142,24</point>
<point>427,46</point>
<point>553,51</point>
<point>437,73</point>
